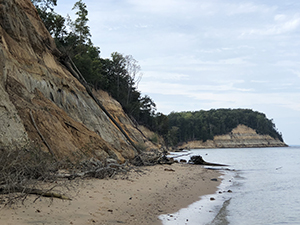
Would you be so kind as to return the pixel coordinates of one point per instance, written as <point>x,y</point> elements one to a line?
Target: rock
<point>197,159</point>
<point>212,199</point>
<point>183,161</point>
<point>214,179</point>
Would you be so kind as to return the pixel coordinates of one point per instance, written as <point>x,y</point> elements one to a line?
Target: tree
<point>172,136</point>
<point>80,25</point>
<point>54,22</point>
<point>161,124</point>
<point>119,72</point>
<point>148,105</point>
<point>134,75</point>
<point>44,4</point>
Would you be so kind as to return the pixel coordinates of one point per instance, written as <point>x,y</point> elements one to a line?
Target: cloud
<point>236,61</point>
<point>219,96</point>
<point>259,81</point>
<point>287,63</point>
<point>171,7</point>
<point>166,76</point>
<point>195,9</point>
<point>191,90</point>
<point>248,7</point>
<point>282,25</point>
<point>296,72</point>
<point>193,64</point>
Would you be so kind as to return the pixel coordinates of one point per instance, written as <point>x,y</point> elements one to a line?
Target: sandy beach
<point>135,198</point>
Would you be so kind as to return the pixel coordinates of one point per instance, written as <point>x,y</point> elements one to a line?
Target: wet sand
<point>135,198</point>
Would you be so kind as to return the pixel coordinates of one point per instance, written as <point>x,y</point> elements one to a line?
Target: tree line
<point>204,125</point>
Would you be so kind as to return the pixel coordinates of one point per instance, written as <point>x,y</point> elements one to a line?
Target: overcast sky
<point>198,54</point>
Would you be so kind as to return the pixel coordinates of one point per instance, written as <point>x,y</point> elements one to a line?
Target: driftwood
<point>151,158</point>
<point>198,160</point>
<point>48,194</point>
<point>94,168</point>
<point>89,168</point>
<point>33,191</point>
<point>22,171</point>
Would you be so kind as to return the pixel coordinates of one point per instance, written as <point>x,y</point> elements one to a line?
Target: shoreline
<point>138,197</point>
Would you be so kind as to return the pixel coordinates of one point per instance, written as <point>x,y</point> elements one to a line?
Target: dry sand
<point>135,198</point>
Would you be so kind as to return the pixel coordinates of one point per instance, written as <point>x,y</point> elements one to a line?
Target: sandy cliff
<point>33,82</point>
<point>240,137</point>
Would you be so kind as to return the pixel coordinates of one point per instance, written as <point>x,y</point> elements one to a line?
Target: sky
<point>200,55</point>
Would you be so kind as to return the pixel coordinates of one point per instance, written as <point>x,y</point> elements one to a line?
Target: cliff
<point>41,99</point>
<point>240,137</point>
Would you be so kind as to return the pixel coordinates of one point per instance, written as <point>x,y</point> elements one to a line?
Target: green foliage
<point>54,22</point>
<point>80,27</point>
<point>172,137</point>
<point>204,125</point>
<point>154,138</point>
<point>44,5</point>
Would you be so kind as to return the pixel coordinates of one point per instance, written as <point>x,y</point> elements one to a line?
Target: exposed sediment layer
<point>240,137</point>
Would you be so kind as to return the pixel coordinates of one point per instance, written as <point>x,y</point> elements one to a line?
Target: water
<point>265,189</point>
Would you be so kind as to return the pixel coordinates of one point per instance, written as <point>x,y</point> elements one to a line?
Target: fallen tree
<point>151,158</point>
<point>30,171</point>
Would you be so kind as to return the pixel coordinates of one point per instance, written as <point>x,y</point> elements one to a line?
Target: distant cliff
<point>240,137</point>
<point>44,105</point>
<point>215,123</point>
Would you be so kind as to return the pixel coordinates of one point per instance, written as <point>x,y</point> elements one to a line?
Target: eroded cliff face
<point>240,137</point>
<point>33,82</point>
